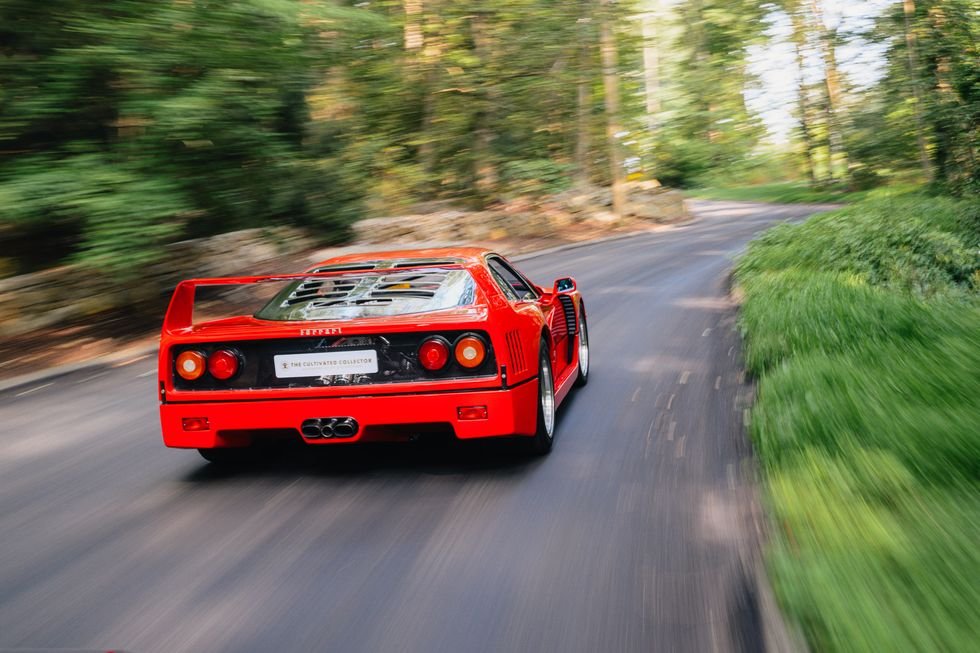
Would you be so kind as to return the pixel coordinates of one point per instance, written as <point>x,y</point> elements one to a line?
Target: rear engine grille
<point>408,284</point>
<point>367,290</point>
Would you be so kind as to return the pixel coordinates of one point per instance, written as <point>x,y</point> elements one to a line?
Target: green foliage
<point>940,77</point>
<point>134,123</point>
<point>863,327</point>
<point>925,245</point>
<point>127,124</point>
<point>870,574</point>
<point>536,177</point>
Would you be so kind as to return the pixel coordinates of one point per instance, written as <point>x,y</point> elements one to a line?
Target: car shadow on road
<point>430,456</point>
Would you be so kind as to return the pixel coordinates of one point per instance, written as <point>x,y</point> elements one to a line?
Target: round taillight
<point>470,351</point>
<point>224,364</point>
<point>434,354</point>
<point>191,365</point>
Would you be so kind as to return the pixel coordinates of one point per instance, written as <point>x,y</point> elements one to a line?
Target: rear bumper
<point>509,412</point>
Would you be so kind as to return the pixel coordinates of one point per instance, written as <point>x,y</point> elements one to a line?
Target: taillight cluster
<point>469,351</point>
<point>222,364</point>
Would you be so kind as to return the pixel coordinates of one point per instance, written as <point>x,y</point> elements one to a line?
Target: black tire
<point>544,436</point>
<point>583,336</point>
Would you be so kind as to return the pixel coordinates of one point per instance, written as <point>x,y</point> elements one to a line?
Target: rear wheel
<point>583,351</point>
<point>544,436</point>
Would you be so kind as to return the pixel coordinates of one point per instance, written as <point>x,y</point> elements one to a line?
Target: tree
<point>708,125</point>
<point>827,40</point>
<point>610,83</point>
<point>928,104</point>
<point>144,122</point>
<point>798,19</point>
<point>911,55</point>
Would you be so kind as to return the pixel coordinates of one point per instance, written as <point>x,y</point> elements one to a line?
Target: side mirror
<point>565,284</point>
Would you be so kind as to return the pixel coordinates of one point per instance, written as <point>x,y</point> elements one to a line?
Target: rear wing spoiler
<point>180,312</point>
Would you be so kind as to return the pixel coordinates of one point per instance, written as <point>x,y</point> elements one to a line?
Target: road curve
<point>635,534</point>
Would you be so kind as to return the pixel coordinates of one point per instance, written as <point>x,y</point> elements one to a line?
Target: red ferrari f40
<point>375,347</point>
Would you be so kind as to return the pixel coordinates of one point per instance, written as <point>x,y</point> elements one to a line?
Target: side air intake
<point>515,349</point>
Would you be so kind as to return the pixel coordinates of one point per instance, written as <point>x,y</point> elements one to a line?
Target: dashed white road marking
<point>679,449</point>
<point>705,332</point>
<point>146,374</point>
<point>670,402</point>
<point>34,389</point>
<point>90,378</point>
<point>745,417</point>
<point>646,447</point>
<point>718,383</point>
<point>670,430</point>
<point>635,394</point>
<point>685,375</point>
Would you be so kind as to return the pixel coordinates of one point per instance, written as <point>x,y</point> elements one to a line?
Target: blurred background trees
<point>125,124</point>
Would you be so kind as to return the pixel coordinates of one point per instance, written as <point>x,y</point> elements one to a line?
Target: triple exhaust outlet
<point>330,427</point>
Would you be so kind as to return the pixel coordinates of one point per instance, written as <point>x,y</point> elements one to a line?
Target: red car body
<point>358,314</point>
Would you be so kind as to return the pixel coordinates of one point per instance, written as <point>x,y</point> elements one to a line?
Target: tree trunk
<point>583,140</point>
<point>420,66</point>
<point>610,83</point>
<point>651,67</point>
<point>799,42</point>
<point>484,166</point>
<point>835,137</point>
<point>413,25</point>
<point>955,157</point>
<point>908,7</point>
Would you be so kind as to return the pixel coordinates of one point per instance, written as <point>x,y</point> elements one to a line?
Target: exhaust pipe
<point>311,428</point>
<point>326,427</point>
<point>345,428</point>
<point>329,427</point>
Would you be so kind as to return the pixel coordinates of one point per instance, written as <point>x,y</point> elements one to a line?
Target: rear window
<point>366,294</point>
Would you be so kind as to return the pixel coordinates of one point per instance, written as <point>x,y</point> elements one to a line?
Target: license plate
<point>328,363</point>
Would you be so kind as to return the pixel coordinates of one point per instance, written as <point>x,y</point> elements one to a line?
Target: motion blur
<point>821,488</point>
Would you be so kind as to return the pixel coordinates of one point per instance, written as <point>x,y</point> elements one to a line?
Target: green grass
<point>790,192</point>
<point>863,328</point>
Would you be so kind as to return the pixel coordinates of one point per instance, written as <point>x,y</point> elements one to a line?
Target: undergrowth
<point>789,192</point>
<point>863,328</point>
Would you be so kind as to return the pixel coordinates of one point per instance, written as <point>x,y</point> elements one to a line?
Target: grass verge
<point>790,192</point>
<point>863,328</point>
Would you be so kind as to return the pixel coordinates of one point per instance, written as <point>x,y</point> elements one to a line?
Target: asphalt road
<point>638,533</point>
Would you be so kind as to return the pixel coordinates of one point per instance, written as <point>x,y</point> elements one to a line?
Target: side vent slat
<point>516,351</point>
<point>568,308</point>
<point>571,322</point>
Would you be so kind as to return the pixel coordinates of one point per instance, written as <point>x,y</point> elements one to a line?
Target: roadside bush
<point>916,243</point>
<point>863,327</point>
